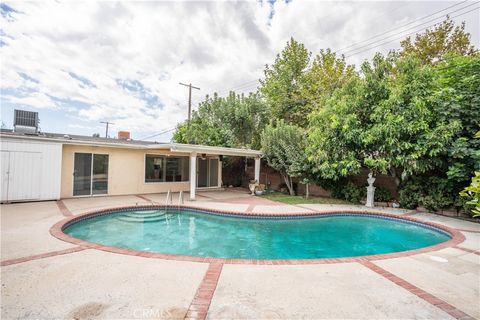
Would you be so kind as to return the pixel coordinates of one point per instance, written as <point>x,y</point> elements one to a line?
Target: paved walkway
<point>43,277</point>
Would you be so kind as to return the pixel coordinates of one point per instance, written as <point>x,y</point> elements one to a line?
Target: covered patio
<point>203,171</point>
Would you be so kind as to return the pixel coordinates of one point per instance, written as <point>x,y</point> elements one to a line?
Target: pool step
<point>143,216</point>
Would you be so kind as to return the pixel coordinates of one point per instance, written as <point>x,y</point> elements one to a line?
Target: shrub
<point>410,193</point>
<point>472,194</point>
<point>436,200</point>
<point>335,186</point>
<point>353,193</point>
<point>434,193</point>
<point>383,194</point>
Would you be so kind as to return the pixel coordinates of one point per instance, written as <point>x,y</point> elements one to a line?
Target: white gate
<point>5,165</point>
<point>21,175</point>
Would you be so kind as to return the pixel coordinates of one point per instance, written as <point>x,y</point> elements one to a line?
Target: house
<point>46,166</point>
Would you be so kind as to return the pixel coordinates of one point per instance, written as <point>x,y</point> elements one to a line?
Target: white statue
<point>370,191</point>
<point>370,180</point>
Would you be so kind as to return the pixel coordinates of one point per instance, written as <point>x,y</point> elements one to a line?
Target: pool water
<point>193,233</point>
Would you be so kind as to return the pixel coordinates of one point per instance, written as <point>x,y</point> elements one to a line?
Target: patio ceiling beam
<point>216,150</point>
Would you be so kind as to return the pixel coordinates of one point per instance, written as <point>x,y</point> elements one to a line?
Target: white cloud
<point>155,45</point>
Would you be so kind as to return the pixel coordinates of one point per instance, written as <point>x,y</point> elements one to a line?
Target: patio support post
<point>257,169</point>
<point>193,174</point>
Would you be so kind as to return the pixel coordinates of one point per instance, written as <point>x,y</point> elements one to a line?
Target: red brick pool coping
<point>57,231</point>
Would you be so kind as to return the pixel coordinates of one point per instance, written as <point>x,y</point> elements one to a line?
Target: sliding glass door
<point>213,173</point>
<point>100,174</point>
<point>207,172</point>
<point>202,176</point>
<point>90,175</point>
<point>82,174</point>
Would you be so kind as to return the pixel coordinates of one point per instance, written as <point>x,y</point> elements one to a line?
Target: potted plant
<point>260,189</point>
<point>252,186</point>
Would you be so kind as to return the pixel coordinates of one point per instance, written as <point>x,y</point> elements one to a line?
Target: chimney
<point>124,135</point>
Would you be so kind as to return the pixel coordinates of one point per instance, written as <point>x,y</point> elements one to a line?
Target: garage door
<point>21,175</point>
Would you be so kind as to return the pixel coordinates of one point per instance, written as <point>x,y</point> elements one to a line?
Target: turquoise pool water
<point>200,234</point>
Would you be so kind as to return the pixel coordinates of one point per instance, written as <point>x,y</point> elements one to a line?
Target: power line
<point>157,134</point>
<point>252,84</point>
<point>403,31</point>
<point>393,29</point>
<point>404,35</point>
<point>245,87</point>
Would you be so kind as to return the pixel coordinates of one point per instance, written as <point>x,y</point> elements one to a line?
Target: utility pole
<point>106,129</point>
<point>189,97</point>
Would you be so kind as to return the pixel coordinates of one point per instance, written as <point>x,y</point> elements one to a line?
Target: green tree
<point>283,83</point>
<point>328,73</point>
<point>435,43</point>
<point>383,121</point>
<point>284,148</point>
<point>232,121</point>
<point>457,96</point>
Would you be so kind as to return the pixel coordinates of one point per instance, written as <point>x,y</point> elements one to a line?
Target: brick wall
<point>381,180</point>
<point>268,174</point>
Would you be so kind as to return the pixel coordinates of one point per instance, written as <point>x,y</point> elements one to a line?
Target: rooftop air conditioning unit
<point>25,122</point>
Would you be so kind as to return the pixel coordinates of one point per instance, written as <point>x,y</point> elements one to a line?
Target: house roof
<point>127,143</point>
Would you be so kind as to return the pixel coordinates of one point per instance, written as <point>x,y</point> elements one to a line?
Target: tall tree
<point>457,96</point>
<point>434,44</point>
<point>232,121</point>
<point>383,121</point>
<point>284,148</point>
<point>283,83</point>
<point>328,73</point>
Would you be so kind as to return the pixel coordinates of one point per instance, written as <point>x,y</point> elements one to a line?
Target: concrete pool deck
<point>43,277</point>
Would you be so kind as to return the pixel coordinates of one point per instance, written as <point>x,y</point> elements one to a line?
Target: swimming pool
<point>190,232</point>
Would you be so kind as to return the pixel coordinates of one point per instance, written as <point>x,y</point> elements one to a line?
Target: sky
<point>79,63</point>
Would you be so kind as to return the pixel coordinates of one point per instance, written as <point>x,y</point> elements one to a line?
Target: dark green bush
<point>434,193</point>
<point>335,186</point>
<point>383,194</point>
<point>437,194</point>
<point>410,193</point>
<point>353,193</point>
<point>436,200</point>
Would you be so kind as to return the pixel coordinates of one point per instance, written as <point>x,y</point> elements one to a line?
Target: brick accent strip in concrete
<point>410,213</point>
<point>63,208</point>
<point>468,250</point>
<point>143,197</point>
<point>430,298</point>
<point>201,302</point>
<point>466,230</point>
<point>41,256</point>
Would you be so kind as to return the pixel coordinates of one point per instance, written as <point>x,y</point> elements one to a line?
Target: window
<point>154,168</point>
<point>165,169</point>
